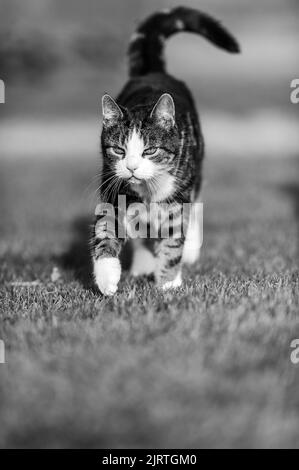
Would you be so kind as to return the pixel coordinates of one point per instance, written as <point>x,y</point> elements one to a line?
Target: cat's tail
<point>147,44</point>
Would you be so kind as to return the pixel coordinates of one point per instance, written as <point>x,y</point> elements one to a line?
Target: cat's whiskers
<point>93,180</point>
<point>105,180</point>
<point>115,189</point>
<point>91,192</point>
<point>105,195</point>
<point>150,185</point>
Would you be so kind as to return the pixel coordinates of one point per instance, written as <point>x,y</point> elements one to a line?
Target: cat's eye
<point>151,151</point>
<point>117,151</point>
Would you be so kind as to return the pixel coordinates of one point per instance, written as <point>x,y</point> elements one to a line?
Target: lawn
<point>206,366</point>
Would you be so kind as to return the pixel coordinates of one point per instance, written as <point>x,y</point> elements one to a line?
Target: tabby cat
<point>153,149</point>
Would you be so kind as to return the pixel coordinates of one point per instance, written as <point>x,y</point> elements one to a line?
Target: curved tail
<point>147,44</point>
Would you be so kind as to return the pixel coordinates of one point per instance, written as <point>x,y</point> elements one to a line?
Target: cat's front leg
<point>169,249</point>
<point>169,263</point>
<point>105,255</point>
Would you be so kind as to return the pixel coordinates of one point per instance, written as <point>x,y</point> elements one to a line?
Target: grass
<point>208,366</point>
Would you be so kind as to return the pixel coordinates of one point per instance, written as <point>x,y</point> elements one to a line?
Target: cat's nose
<point>132,164</point>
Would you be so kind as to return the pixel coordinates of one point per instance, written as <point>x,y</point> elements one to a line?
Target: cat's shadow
<point>77,258</point>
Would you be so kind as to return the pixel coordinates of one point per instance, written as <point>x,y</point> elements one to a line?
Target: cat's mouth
<point>134,180</point>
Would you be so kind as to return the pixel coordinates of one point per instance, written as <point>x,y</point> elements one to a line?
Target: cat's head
<point>140,145</point>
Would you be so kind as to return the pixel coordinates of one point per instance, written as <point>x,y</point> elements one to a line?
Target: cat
<point>153,148</point>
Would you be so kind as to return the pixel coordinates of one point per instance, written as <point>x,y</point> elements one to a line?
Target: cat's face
<point>140,146</point>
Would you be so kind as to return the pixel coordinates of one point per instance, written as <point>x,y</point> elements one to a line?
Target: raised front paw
<point>107,274</point>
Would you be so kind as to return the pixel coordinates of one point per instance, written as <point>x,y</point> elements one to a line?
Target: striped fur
<point>147,44</point>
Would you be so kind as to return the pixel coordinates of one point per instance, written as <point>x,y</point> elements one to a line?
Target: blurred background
<point>58,57</point>
<point>208,366</point>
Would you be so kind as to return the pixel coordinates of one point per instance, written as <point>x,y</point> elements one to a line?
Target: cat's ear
<point>111,111</point>
<point>164,111</point>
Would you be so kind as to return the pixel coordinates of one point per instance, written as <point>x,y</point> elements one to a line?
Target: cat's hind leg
<point>143,259</point>
<point>193,240</point>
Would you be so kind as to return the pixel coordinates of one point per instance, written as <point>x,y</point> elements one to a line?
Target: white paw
<point>107,274</point>
<point>177,282</point>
